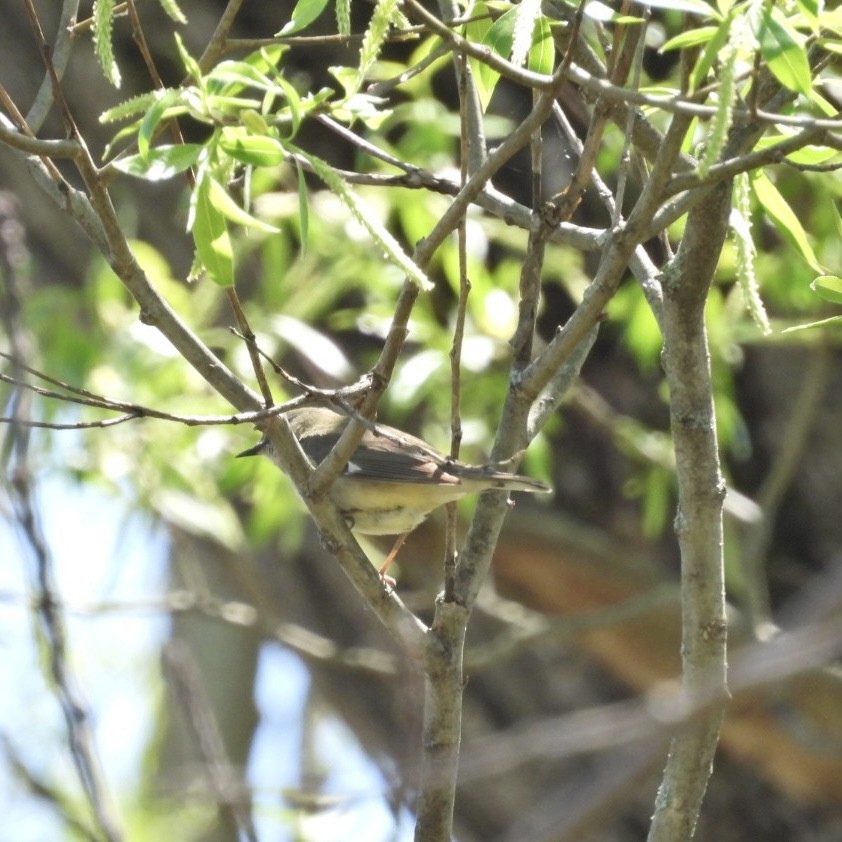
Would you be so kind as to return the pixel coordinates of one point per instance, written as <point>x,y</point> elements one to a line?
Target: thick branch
<point>701,492</point>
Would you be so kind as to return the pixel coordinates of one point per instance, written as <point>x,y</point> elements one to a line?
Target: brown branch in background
<point>229,790</point>
<point>668,711</point>
<point>637,44</point>
<point>562,206</point>
<point>786,462</point>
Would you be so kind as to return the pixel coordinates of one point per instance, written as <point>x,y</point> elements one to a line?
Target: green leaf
<point>690,38</point>
<point>222,201</point>
<point>777,209</point>
<point>828,287</point>
<point>476,30</point>
<point>304,13</point>
<point>153,116</point>
<point>833,320</point>
<point>296,107</point>
<point>191,66</point>
<point>231,77</point>
<point>542,53</point>
<point>811,10</point>
<point>254,150</point>
<point>782,49</point>
<point>173,11</point>
<point>498,37</point>
<point>700,72</point>
<point>210,234</point>
<point>160,163</point>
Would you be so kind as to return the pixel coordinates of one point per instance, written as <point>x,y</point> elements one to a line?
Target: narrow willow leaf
<point>782,49</point>
<point>303,14</point>
<point>787,222</point>
<point>173,11</point>
<point>222,201</point>
<point>833,320</point>
<point>296,107</point>
<point>368,220</point>
<point>542,53</point>
<point>690,38</point>
<point>499,39</point>
<point>103,44</point>
<point>191,66</point>
<point>710,54</point>
<point>160,163</point>
<point>476,30</point>
<point>828,287</point>
<point>150,122</point>
<point>811,10</point>
<point>255,150</point>
<point>210,234</point>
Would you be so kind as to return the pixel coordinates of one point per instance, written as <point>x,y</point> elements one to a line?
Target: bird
<point>393,480</point>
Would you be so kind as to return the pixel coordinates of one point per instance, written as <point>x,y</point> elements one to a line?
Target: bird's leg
<point>390,558</point>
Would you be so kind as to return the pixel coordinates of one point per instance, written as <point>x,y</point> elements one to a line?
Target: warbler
<point>393,480</point>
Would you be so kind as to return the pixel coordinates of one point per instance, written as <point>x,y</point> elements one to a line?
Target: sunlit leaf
<point>833,320</point>
<point>255,150</point>
<point>710,53</point>
<point>191,66</point>
<point>210,234</point>
<point>782,49</point>
<point>173,11</point>
<point>150,122</point>
<point>160,163</point>
<point>542,52</point>
<point>689,38</point>
<point>303,14</point>
<point>828,287</point>
<point>776,208</point>
<point>498,37</point>
<point>222,201</point>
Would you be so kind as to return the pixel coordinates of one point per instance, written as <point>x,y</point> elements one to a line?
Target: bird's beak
<point>256,450</point>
